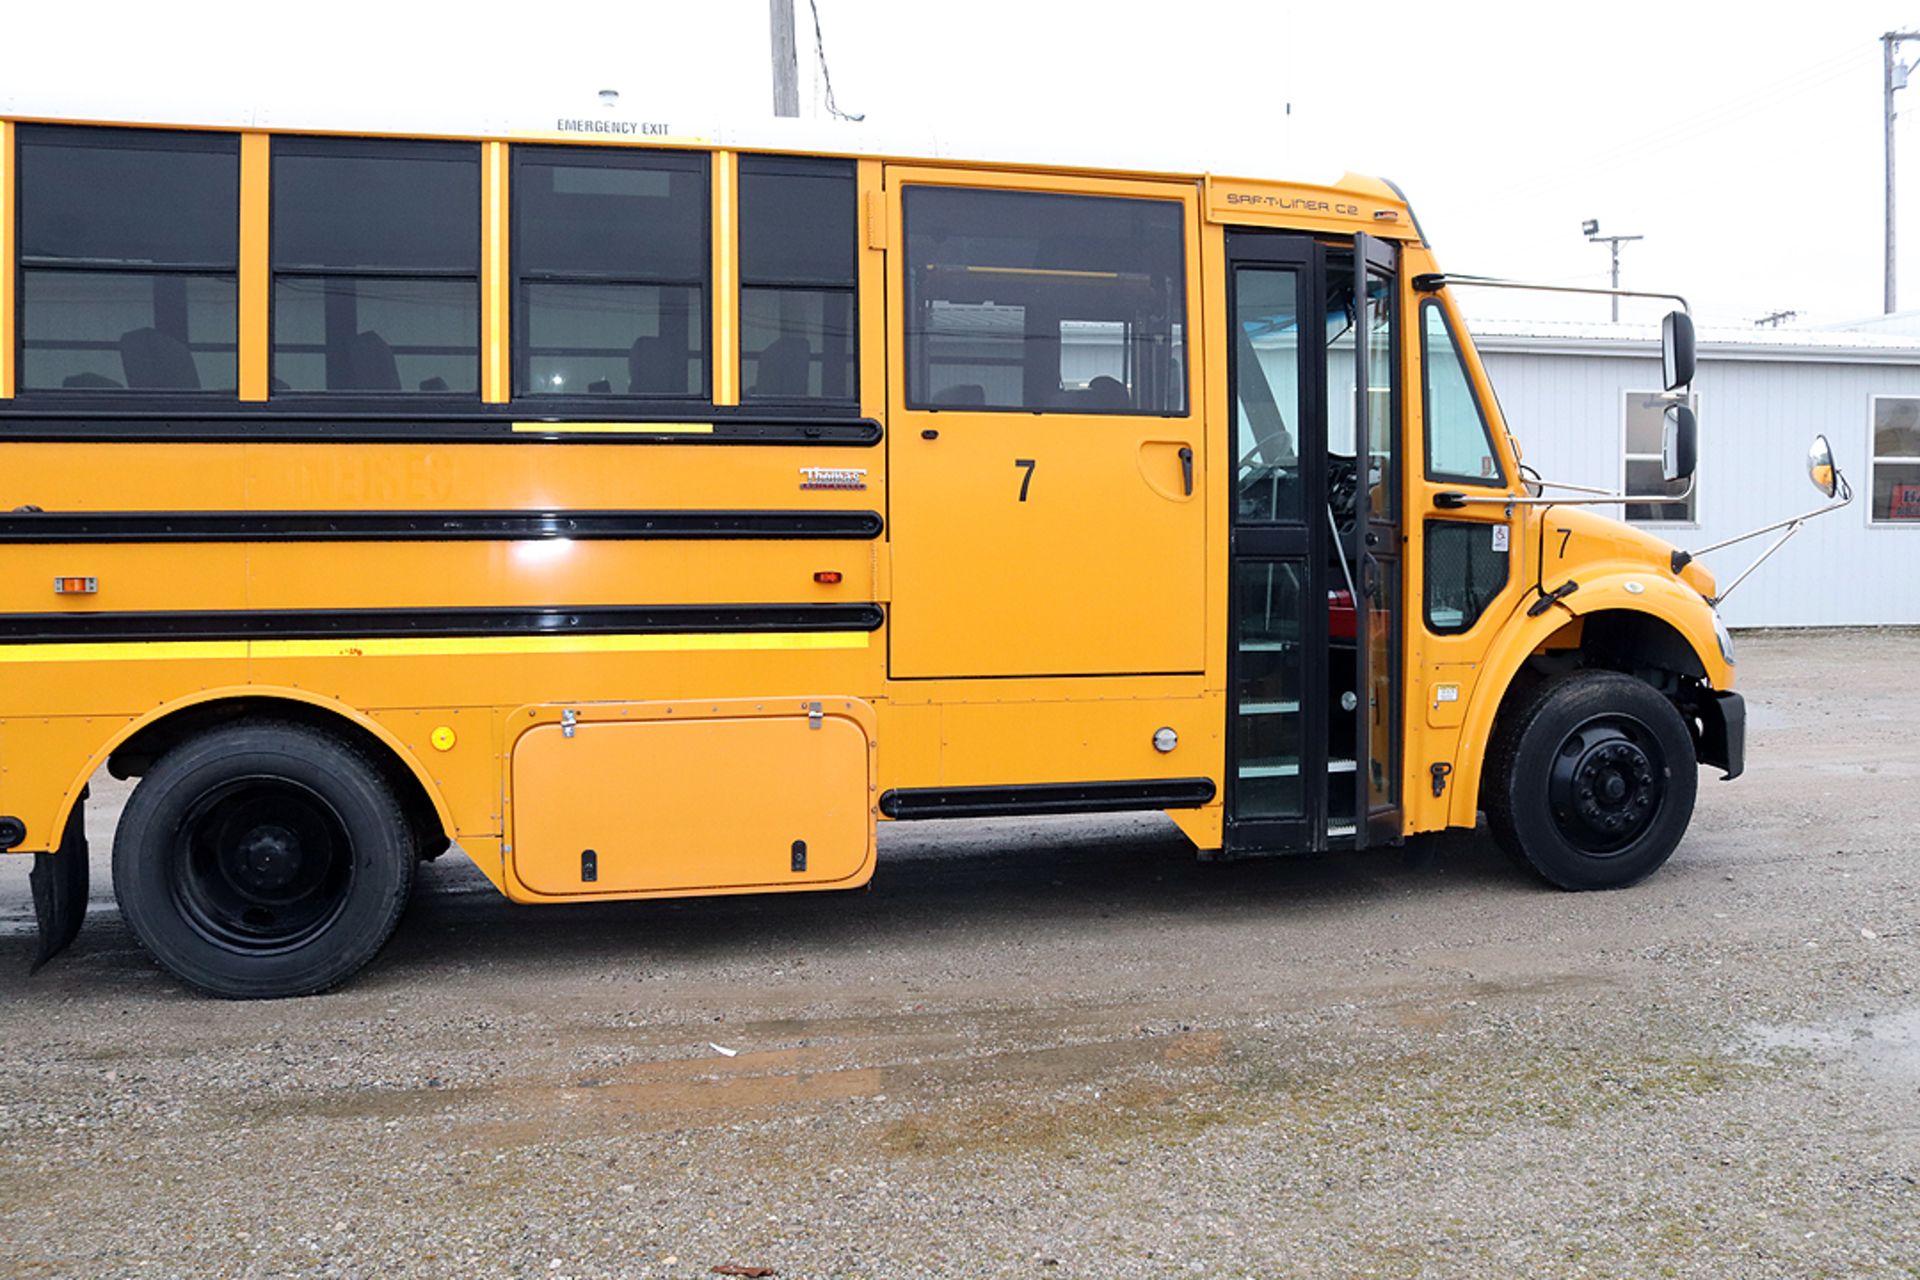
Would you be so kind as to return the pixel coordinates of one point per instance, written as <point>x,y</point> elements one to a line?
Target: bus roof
<point>624,124</point>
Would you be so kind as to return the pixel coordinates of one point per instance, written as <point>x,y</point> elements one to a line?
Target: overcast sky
<point>1742,140</point>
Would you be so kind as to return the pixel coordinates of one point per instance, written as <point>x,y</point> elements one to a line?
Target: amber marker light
<point>76,586</point>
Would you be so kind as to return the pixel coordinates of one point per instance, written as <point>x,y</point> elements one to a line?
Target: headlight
<point>1725,638</point>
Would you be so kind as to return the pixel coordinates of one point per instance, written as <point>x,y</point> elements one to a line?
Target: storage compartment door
<point>650,806</point>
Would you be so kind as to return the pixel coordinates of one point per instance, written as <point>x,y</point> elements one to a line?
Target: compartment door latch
<point>568,719</point>
<point>814,716</point>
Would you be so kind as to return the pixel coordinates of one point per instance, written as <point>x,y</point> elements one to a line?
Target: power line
<point>826,77</point>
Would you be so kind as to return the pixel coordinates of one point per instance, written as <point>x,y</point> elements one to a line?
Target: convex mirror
<point>1676,349</point>
<point>1679,443</point>
<point>1820,468</point>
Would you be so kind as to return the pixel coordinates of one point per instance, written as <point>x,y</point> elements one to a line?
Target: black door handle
<point>930,434</point>
<point>1186,466</point>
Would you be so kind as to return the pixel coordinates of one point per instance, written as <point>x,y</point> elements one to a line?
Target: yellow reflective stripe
<point>424,646</point>
<point>125,651</point>
<point>616,428</point>
<point>428,646</point>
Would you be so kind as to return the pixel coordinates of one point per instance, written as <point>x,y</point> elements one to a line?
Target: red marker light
<point>827,577</point>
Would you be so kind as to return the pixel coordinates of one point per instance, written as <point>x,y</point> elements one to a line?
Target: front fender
<point>1615,588</point>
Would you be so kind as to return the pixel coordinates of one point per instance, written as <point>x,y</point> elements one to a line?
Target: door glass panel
<point>1383,789</point>
<point>1378,319</point>
<point>1267,395</point>
<point>1267,720</point>
<point>1341,699</point>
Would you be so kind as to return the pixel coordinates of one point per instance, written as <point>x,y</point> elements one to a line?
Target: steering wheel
<point>1342,481</point>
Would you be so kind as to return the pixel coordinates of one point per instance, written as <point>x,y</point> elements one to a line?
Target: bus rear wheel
<point>263,859</point>
<point>1591,780</point>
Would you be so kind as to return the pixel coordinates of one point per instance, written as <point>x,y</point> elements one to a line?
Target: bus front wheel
<point>1591,780</point>
<point>263,859</point>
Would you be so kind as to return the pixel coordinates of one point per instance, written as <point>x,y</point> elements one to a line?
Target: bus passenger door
<point>1045,457</point>
<point>1371,536</point>
<point>1313,618</point>
<point>1278,616</point>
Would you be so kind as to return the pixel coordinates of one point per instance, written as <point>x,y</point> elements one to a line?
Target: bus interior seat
<point>435,383</point>
<point>655,368</point>
<point>782,367</point>
<point>155,359</point>
<point>1105,394</point>
<point>91,382</point>
<point>370,364</point>
<point>961,395</point>
<point>600,387</point>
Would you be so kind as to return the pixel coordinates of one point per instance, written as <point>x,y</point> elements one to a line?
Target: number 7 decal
<point>1027,479</point>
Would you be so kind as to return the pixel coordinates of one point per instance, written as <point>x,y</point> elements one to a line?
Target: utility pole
<point>1895,80</point>
<point>1592,227</point>
<point>786,60</point>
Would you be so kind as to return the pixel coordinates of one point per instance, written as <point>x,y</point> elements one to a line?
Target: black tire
<point>263,859</point>
<point>1590,780</point>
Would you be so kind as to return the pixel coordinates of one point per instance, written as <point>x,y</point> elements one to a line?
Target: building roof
<point>1718,342</point>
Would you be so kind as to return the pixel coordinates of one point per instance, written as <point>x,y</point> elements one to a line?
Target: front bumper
<point>1723,732</point>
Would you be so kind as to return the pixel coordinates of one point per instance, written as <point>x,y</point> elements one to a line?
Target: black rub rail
<point>431,526</point>
<point>321,624</point>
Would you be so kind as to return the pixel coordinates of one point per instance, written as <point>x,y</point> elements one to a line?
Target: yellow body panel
<point>256,265</point>
<point>496,281</point>
<point>1088,557</point>
<point>726,286</point>
<point>7,251</point>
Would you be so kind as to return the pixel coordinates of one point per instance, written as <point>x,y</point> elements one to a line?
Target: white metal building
<point>1578,398</point>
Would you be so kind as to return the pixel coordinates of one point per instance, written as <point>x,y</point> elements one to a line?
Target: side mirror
<point>1820,468</point>
<point>1676,349</point>
<point>1679,444</point>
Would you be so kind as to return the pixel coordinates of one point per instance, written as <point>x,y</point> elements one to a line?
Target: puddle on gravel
<point>1885,1045</point>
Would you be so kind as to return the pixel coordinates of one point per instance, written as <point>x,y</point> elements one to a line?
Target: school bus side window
<point>797,279</point>
<point>1459,444</point>
<point>611,260</point>
<point>376,266</point>
<point>129,256</point>
<point>1044,303</point>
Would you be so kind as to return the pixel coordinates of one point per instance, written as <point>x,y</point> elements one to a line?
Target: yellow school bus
<point>647,514</point>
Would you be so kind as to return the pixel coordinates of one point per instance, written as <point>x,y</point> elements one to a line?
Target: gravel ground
<point>1049,1048</point>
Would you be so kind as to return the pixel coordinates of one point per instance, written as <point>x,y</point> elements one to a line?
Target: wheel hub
<point>262,864</point>
<point>267,858</point>
<point>1607,784</point>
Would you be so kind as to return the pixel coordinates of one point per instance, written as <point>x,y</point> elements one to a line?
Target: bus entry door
<point>1046,464</point>
<point>1314,614</point>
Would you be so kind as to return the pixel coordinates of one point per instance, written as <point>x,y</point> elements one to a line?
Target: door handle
<point>1186,467</point>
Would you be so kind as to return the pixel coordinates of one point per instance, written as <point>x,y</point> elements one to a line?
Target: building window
<point>129,256</point>
<point>1895,469</point>
<point>797,279</point>
<point>611,254</point>
<point>1459,444</point>
<point>1644,424</point>
<point>376,266</point>
<point>1044,303</point>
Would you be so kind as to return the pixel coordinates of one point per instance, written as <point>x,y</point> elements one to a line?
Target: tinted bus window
<point>611,255</point>
<point>376,266</point>
<point>1044,303</point>
<point>129,252</point>
<point>797,279</point>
